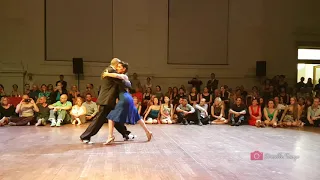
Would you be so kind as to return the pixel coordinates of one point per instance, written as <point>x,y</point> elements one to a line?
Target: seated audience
<point>146,100</point>
<point>309,83</point>
<point>34,93</point>
<point>279,106</point>
<point>147,96</point>
<point>73,94</point>
<point>314,113</point>
<point>152,114</point>
<point>15,92</point>
<point>138,94</point>
<point>175,98</point>
<point>193,97</point>
<point>184,90</point>
<point>169,92</point>
<point>282,83</point>
<point>44,92</point>
<point>217,112</point>
<point>44,111</point>
<point>50,88</point>
<point>202,112</point>
<point>225,97</point>
<point>78,112</point>
<point>148,84</point>
<point>196,83</point>
<point>243,93</point>
<point>158,93</point>
<point>270,114</point>
<point>216,93</point>
<point>182,93</point>
<point>166,111</point>
<point>135,82</point>
<point>316,88</point>
<point>291,115</point>
<point>26,89</point>
<point>91,107</point>
<point>58,91</point>
<point>6,111</point>
<point>2,92</point>
<point>150,103</point>
<point>29,79</point>
<point>26,110</point>
<point>254,94</point>
<point>89,90</point>
<point>212,84</point>
<point>255,114</point>
<point>270,94</point>
<point>63,83</point>
<point>207,96</point>
<point>137,104</point>
<point>300,84</point>
<point>284,97</point>
<point>59,111</point>
<point>186,113</point>
<point>237,112</point>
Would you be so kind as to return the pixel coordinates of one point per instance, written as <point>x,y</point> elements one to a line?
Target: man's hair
<point>114,61</point>
<point>184,98</point>
<point>88,94</point>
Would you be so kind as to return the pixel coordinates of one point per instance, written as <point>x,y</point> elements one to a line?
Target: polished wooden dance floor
<point>176,152</point>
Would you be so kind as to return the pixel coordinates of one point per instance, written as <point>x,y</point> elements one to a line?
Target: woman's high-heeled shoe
<point>149,135</point>
<point>109,141</point>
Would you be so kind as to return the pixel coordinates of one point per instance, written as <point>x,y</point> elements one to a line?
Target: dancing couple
<point>115,85</point>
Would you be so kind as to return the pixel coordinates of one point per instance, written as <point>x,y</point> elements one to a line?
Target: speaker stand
<point>78,82</point>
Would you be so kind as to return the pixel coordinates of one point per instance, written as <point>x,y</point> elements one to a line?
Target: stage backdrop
<point>78,28</point>
<point>198,31</point>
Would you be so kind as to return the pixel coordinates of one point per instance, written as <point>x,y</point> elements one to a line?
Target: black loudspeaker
<point>77,66</point>
<point>261,68</point>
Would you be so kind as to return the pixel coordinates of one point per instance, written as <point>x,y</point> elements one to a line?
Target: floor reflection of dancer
<point>125,111</point>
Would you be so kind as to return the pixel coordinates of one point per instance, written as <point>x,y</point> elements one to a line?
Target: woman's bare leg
<point>110,136</point>
<point>145,128</point>
<point>111,126</point>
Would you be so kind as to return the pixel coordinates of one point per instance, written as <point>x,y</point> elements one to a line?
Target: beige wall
<point>259,30</point>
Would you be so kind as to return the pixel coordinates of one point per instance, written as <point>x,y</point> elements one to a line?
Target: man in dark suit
<point>107,100</point>
<point>212,84</point>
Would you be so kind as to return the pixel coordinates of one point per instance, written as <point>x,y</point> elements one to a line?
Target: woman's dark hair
<point>2,86</point>
<point>181,89</point>
<point>255,87</point>
<point>15,85</point>
<point>50,85</point>
<point>43,85</point>
<point>124,65</point>
<point>175,88</point>
<point>149,89</point>
<point>159,87</point>
<point>272,101</point>
<point>255,99</point>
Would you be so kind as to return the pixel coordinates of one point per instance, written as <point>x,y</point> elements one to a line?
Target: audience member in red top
<point>255,114</point>
<point>138,94</point>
